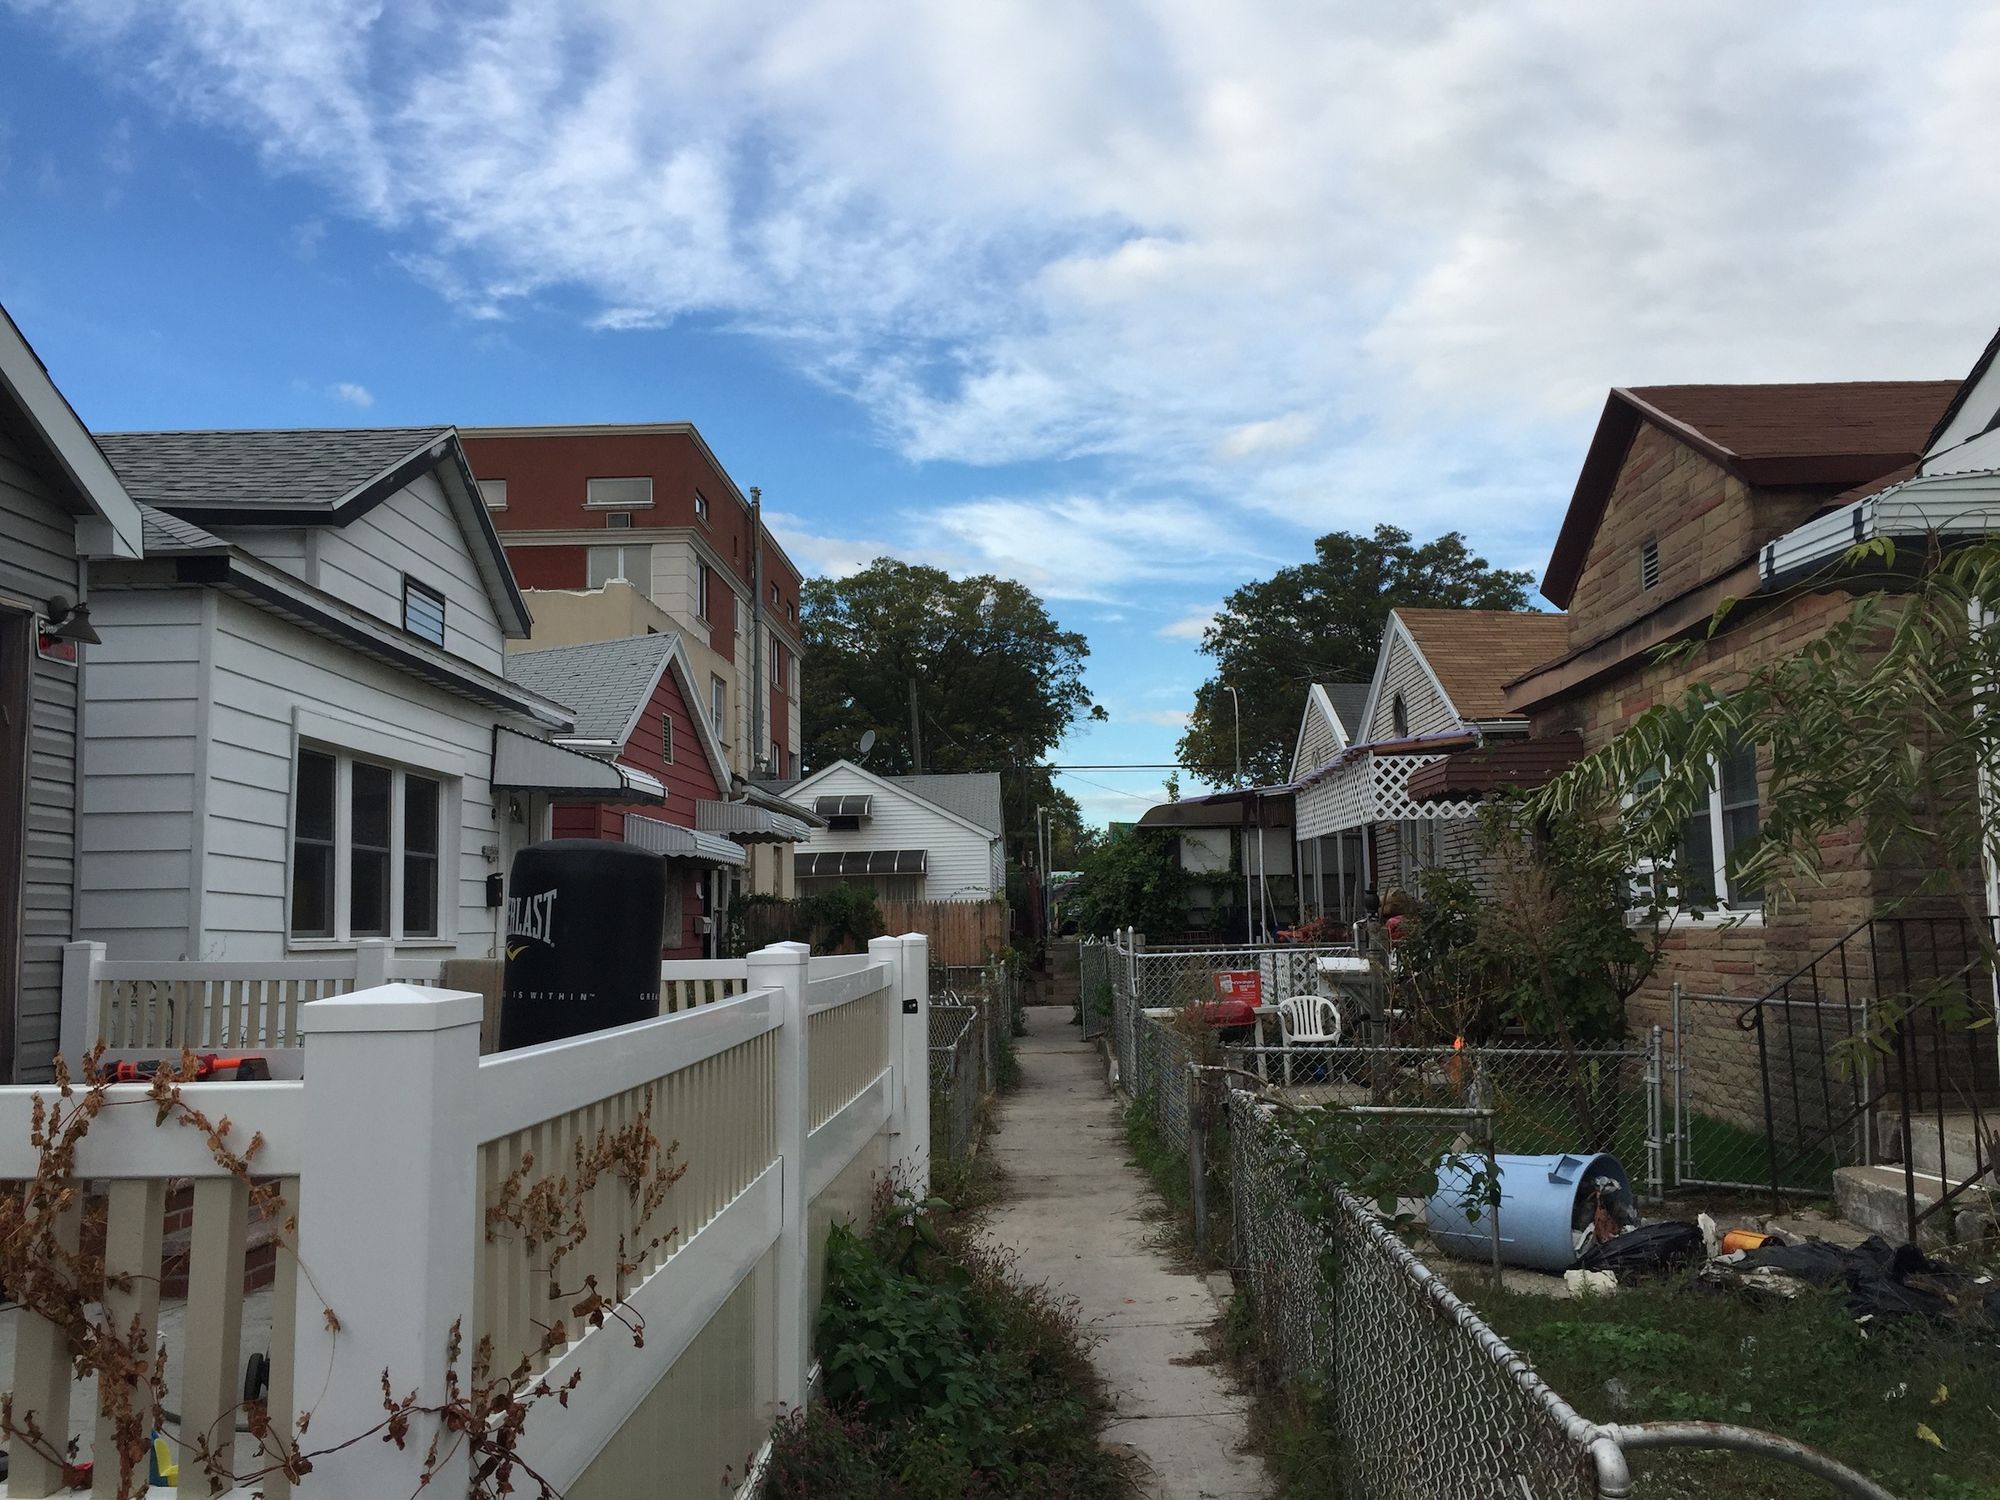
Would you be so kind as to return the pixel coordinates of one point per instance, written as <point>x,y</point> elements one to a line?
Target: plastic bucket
<point>1539,1198</point>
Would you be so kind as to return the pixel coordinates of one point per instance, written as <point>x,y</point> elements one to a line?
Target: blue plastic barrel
<point>1538,1207</point>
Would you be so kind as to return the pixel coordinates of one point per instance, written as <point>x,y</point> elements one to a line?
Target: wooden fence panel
<point>961,932</point>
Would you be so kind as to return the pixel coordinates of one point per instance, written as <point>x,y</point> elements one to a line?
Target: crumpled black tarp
<point>1649,1250</point>
<point>1882,1280</point>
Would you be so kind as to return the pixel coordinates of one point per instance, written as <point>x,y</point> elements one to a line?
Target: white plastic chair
<point>1306,1018</point>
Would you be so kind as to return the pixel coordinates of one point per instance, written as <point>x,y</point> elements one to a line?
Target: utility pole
<point>1249,935</point>
<point>916,732</point>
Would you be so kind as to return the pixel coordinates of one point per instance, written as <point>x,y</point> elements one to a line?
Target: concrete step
<point>1872,1198</point>
<point>1950,1148</point>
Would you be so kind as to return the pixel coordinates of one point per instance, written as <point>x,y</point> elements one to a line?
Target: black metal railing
<point>1895,1022</point>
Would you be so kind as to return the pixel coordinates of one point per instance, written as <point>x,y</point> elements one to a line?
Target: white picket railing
<point>786,1103</point>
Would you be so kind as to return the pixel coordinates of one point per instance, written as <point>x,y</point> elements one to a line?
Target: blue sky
<point>1129,301</point>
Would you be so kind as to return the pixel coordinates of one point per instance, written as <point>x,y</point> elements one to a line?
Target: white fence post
<point>888,952</point>
<point>79,1000</point>
<point>388,1226</point>
<point>914,1057</point>
<point>782,967</point>
<point>371,962</point>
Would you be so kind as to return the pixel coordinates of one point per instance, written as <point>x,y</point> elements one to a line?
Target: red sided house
<point>631,700</point>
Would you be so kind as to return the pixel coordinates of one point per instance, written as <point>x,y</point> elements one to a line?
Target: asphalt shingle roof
<point>163,535</point>
<point>973,795</point>
<point>1348,700</point>
<point>604,683</point>
<point>301,467</point>
<point>1477,652</point>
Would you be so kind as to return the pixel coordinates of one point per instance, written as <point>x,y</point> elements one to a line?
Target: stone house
<point>1681,491</point>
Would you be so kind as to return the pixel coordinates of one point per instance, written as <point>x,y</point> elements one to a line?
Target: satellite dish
<point>867,742</point>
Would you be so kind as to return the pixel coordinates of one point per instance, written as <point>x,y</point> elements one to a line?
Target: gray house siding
<point>141,769</point>
<point>39,559</point>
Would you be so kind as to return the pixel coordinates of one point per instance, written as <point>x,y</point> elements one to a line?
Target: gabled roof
<point>973,795</point>
<point>312,477</point>
<point>1475,653</point>
<point>607,684</point>
<point>1965,389</point>
<point>1348,700</point>
<point>1828,433</point>
<point>900,786</point>
<point>32,407</point>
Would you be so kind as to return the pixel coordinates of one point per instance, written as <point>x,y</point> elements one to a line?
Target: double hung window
<point>367,847</point>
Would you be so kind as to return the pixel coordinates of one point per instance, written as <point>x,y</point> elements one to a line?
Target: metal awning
<point>750,824</point>
<point>676,842</point>
<point>860,862</point>
<point>522,763</point>
<point>851,805</point>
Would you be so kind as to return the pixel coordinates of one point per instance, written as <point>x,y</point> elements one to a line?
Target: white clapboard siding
<point>265,669</point>
<point>413,532</point>
<point>135,872</point>
<point>1318,741</point>
<point>962,863</point>
<point>38,559</point>
<point>1402,670</point>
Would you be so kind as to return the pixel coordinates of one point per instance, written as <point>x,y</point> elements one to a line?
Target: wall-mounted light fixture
<point>68,621</point>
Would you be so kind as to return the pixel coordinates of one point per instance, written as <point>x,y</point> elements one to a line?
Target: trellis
<point>1371,788</point>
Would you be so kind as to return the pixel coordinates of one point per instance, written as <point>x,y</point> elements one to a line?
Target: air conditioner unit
<point>619,520</point>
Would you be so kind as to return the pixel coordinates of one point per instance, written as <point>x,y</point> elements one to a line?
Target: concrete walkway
<point>1075,1212</point>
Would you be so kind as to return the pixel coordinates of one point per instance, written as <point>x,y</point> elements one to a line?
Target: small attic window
<point>1399,717</point>
<point>1649,563</point>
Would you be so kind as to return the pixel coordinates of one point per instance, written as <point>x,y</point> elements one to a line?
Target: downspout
<point>758,704</point>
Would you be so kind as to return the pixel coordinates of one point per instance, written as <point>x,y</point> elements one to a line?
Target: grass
<point>1914,1407</point>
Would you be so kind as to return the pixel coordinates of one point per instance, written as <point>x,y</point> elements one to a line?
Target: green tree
<point>1321,621</point>
<point>1133,881</point>
<point>995,681</point>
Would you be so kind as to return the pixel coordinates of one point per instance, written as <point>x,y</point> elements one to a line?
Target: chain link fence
<point>1424,1398</point>
<point>1094,999</point>
<point>958,1066</point>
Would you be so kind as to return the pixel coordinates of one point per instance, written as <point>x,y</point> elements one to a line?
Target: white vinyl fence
<point>786,1101</point>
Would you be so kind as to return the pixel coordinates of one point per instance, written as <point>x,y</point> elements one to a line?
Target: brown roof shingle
<point>1477,652</point>
<point>1837,434</point>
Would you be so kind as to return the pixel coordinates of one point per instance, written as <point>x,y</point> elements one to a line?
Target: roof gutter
<point>1930,507</point>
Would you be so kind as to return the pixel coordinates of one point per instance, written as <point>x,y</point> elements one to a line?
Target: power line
<point>1117,766</point>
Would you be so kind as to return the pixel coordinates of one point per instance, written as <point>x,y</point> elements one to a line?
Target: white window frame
<point>701,588</point>
<point>644,585</point>
<point>591,503</point>
<point>343,935</point>
<point>488,488</point>
<point>701,507</point>
<point>718,706</point>
<point>1721,913</point>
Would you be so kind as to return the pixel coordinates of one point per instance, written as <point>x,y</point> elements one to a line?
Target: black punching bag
<point>583,939</point>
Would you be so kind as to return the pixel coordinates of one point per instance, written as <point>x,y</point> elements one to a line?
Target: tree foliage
<point>1321,621</point>
<point>997,681</point>
<point>1133,881</point>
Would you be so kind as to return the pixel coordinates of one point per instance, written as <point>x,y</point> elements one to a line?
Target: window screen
<point>420,856</point>
<point>368,857</point>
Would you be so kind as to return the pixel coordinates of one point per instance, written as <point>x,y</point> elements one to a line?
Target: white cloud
<point>1151,231</point>
<point>1165,718</point>
<point>1189,627</point>
<point>352,394</point>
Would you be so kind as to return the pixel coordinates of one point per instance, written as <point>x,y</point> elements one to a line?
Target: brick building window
<point>1649,563</point>
<point>1710,843</point>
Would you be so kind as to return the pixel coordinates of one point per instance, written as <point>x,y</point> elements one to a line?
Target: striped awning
<point>852,805</point>
<point>747,823</point>
<point>522,763</point>
<point>676,842</point>
<point>860,862</point>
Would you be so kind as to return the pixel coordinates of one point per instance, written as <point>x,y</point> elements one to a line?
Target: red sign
<point>1243,985</point>
<point>51,649</point>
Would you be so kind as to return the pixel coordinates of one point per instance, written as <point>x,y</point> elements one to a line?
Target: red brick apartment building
<point>584,508</point>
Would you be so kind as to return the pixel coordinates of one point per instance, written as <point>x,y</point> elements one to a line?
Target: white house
<point>299,731</point>
<point>1439,688</point>
<point>1329,864</point>
<point>60,505</point>
<point>907,838</point>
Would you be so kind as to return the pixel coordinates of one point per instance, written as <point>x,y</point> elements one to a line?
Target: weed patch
<point>944,1378</point>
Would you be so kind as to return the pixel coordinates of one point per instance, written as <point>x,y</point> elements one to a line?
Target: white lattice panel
<point>1391,783</point>
<point>1371,789</point>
